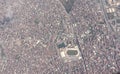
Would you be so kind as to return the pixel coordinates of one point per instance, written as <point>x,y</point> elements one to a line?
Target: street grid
<point>31,30</point>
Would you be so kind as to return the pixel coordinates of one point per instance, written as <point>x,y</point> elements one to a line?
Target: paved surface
<point>30,31</point>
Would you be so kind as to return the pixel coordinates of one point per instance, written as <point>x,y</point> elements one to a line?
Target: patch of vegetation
<point>72,52</point>
<point>36,21</point>
<point>62,45</point>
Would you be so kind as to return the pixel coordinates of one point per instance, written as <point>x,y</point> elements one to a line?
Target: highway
<point>105,16</point>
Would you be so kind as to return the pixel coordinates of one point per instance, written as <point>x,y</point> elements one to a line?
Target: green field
<point>72,52</point>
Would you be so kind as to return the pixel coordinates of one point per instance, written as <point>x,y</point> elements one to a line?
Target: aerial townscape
<point>59,36</point>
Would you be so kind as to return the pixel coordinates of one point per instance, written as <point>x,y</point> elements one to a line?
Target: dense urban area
<point>59,36</point>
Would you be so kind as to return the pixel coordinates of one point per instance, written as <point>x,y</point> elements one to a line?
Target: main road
<point>105,16</point>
